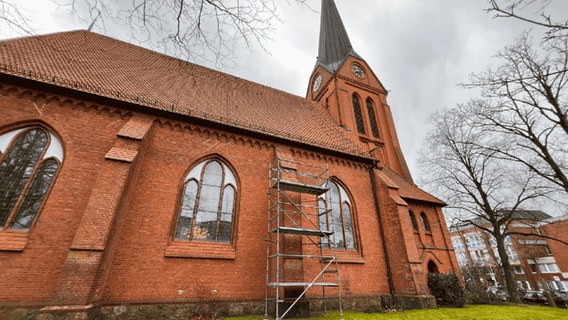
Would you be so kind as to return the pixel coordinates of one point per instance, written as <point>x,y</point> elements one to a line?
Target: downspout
<point>381,230</point>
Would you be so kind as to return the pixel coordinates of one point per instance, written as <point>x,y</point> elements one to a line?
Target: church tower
<point>352,94</point>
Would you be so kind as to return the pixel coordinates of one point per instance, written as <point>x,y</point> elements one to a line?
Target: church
<point>134,185</point>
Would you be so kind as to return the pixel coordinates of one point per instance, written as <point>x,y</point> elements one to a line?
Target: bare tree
<point>527,102</point>
<point>14,18</point>
<point>525,10</point>
<point>462,163</point>
<point>197,30</point>
<point>493,155</point>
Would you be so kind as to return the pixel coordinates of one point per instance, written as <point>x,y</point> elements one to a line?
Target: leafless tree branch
<point>537,235</point>
<point>196,30</point>
<point>15,18</point>
<point>464,162</point>
<point>523,10</point>
<point>525,99</point>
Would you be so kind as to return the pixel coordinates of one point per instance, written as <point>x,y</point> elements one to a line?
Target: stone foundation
<point>179,311</point>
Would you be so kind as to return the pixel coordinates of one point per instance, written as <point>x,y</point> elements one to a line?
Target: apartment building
<point>536,250</point>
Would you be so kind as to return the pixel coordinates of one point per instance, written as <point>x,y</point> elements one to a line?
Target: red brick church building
<point>134,184</point>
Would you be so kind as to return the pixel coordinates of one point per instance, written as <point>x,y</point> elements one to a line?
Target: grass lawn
<point>477,312</point>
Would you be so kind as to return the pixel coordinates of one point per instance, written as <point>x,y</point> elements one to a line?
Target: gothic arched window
<point>208,203</point>
<point>372,118</point>
<point>358,114</point>
<point>336,215</point>
<point>432,267</point>
<point>413,220</point>
<point>29,161</point>
<point>424,221</point>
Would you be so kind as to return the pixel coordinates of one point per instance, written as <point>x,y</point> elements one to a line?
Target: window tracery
<point>29,161</point>
<point>335,210</point>
<point>208,203</point>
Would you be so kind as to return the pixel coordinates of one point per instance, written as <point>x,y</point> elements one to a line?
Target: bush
<point>447,289</point>
<point>476,290</point>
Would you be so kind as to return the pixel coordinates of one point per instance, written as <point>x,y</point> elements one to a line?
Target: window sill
<point>346,256</point>
<point>13,240</point>
<point>200,250</point>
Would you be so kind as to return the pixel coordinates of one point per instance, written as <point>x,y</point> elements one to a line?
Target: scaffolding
<point>301,256</point>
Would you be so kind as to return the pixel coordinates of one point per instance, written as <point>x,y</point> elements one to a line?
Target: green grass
<point>474,312</point>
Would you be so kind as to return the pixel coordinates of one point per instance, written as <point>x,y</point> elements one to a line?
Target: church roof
<point>334,44</point>
<point>95,64</point>
<point>91,63</point>
<point>407,189</point>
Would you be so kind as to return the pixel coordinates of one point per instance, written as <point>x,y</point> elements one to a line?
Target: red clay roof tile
<point>92,63</point>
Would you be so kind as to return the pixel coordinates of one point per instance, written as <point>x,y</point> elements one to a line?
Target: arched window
<point>358,114</point>
<point>413,220</point>
<point>336,215</point>
<point>432,267</point>
<point>29,161</point>
<point>372,118</point>
<point>424,221</point>
<point>208,204</point>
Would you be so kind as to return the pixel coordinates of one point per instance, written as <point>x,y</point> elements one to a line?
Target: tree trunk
<point>507,272</point>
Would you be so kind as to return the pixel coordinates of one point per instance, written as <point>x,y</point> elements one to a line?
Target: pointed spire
<point>334,44</point>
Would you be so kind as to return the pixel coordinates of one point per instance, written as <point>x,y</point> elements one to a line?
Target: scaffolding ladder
<point>301,256</point>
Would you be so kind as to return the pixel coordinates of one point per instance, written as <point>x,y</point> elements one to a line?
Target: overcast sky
<point>420,50</point>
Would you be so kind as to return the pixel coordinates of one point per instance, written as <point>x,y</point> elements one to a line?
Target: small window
<point>518,269</point>
<point>424,221</point>
<point>549,268</point>
<point>358,115</point>
<point>413,220</point>
<point>432,267</point>
<point>208,203</point>
<point>336,215</point>
<point>29,161</point>
<point>372,118</point>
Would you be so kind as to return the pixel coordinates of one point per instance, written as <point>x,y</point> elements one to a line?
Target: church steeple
<point>352,94</point>
<point>334,44</point>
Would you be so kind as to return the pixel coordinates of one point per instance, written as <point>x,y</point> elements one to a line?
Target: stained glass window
<point>29,161</point>
<point>335,215</point>
<point>208,204</point>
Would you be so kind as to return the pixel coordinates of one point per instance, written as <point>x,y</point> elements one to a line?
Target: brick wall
<point>105,235</point>
<point>87,133</point>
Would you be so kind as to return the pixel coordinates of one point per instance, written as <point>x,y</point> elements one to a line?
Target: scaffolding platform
<point>303,284</point>
<point>295,259</point>
<point>302,231</point>
<point>299,187</point>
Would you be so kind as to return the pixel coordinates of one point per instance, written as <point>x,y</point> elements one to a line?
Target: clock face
<point>317,82</point>
<point>358,71</point>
